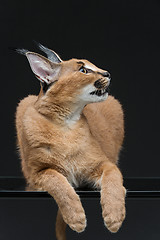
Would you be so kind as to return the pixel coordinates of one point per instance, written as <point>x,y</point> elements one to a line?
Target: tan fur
<point>62,144</point>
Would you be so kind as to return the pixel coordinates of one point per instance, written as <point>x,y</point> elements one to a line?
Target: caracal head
<point>75,80</point>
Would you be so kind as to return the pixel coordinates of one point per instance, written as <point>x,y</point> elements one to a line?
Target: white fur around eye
<point>91,67</point>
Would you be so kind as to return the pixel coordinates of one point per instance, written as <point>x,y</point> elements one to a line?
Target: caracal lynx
<point>72,133</point>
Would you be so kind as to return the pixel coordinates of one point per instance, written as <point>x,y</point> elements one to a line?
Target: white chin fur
<point>89,98</point>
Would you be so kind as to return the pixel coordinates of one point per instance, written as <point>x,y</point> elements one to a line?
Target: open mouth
<point>100,92</point>
<point>102,87</point>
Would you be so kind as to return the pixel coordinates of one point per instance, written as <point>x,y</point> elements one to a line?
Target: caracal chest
<point>71,141</point>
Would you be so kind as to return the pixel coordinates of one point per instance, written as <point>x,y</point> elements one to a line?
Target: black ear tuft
<point>18,50</point>
<point>22,51</point>
<point>52,56</point>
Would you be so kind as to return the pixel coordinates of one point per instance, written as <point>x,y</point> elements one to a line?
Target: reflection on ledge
<point>136,188</point>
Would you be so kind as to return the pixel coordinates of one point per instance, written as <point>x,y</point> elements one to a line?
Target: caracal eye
<point>83,70</point>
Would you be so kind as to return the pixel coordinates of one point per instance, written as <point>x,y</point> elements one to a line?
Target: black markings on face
<point>80,63</point>
<point>99,83</point>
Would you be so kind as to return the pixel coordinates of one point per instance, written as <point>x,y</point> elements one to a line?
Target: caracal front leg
<point>112,196</point>
<point>68,201</point>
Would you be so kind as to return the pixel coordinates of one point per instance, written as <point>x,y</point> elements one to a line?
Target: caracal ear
<point>45,70</point>
<point>52,56</point>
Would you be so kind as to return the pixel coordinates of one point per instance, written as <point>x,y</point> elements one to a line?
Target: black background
<point>122,37</point>
<point>23,219</point>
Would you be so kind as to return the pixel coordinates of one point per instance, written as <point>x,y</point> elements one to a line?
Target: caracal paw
<point>114,212</point>
<point>75,218</point>
<point>114,219</point>
<point>78,223</point>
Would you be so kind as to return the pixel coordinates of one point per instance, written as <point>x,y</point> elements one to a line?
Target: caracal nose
<point>106,74</point>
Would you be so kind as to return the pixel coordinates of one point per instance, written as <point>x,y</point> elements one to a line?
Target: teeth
<point>99,92</point>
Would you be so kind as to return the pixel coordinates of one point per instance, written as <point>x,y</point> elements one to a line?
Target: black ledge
<point>14,187</point>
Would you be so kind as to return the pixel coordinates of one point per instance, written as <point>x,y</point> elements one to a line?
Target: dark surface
<point>120,36</point>
<point>34,219</point>
<point>32,215</point>
<point>14,187</point>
